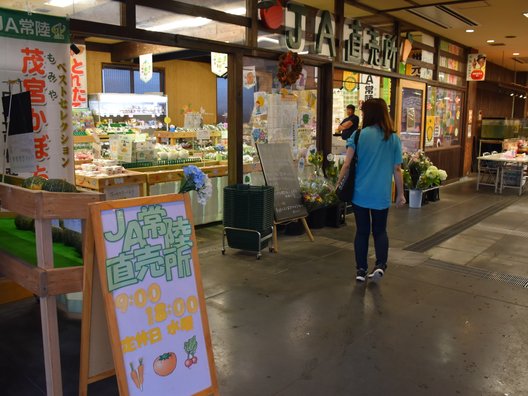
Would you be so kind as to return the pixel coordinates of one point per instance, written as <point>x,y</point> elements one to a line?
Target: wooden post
<point>48,312</point>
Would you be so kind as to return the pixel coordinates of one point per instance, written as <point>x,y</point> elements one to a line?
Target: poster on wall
<point>153,295</point>
<point>79,84</point>
<point>282,119</point>
<point>36,52</point>
<point>337,109</point>
<point>301,81</point>
<point>429,131</point>
<point>261,103</point>
<point>369,87</point>
<point>249,77</point>
<point>476,67</point>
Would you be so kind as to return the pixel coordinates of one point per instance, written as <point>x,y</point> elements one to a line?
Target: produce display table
<point>126,185</point>
<point>45,279</point>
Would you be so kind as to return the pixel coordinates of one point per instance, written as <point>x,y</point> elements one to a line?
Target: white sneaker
<point>376,275</point>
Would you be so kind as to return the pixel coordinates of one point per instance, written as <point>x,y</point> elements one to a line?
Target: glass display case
<point>147,111</point>
<point>494,128</point>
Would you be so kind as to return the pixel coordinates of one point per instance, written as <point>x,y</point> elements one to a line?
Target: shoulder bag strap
<point>356,140</point>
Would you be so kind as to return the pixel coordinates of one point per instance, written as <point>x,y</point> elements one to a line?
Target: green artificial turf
<point>21,244</point>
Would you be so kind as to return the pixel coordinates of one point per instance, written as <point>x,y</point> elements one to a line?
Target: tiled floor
<point>295,323</point>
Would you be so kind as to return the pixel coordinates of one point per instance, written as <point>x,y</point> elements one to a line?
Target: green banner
<point>21,25</point>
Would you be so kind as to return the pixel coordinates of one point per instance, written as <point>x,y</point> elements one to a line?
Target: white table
<point>500,170</point>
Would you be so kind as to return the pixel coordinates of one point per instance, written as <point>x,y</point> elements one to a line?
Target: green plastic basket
<point>244,240</point>
<point>249,207</point>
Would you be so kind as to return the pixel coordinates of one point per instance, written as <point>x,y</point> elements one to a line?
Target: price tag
<point>203,134</point>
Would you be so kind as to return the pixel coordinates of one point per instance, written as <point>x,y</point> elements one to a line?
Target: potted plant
<point>420,174</point>
<point>335,210</point>
<point>313,192</point>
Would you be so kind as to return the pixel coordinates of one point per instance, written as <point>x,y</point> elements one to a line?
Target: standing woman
<point>379,158</point>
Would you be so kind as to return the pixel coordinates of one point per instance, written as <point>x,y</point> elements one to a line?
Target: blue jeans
<point>366,217</point>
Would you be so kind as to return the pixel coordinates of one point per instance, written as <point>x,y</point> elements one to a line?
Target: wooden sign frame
<point>96,356</point>
<point>123,375</point>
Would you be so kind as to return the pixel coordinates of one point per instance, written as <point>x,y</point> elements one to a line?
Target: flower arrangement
<point>290,68</point>
<point>420,173</point>
<point>316,159</point>
<point>317,193</point>
<point>333,168</point>
<point>195,179</point>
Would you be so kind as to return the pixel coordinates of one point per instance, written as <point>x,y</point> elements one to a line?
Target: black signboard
<point>279,172</point>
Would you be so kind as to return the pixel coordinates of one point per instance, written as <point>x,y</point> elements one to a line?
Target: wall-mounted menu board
<point>154,300</point>
<point>279,172</point>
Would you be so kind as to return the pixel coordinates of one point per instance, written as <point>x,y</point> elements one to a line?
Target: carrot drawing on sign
<point>141,370</point>
<point>134,376</point>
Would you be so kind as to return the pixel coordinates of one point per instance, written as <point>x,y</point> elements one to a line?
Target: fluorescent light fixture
<point>268,40</point>
<point>59,3</point>
<point>490,41</point>
<point>470,30</point>
<point>237,11</point>
<point>181,24</point>
<point>303,53</point>
<point>516,54</point>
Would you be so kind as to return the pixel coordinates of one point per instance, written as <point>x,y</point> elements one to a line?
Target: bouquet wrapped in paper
<point>195,179</point>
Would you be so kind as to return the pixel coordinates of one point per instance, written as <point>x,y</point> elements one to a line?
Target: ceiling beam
<point>127,50</point>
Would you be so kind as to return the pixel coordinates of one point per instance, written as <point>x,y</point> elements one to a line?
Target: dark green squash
<point>58,185</point>
<point>34,183</point>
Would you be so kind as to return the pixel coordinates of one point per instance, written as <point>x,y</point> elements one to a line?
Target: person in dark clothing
<point>350,124</point>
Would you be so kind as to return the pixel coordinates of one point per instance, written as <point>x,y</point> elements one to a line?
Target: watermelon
<point>58,185</point>
<point>33,182</point>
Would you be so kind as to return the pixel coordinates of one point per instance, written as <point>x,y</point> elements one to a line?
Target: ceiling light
<point>526,14</point>
<point>237,11</point>
<point>181,24</point>
<point>59,3</point>
<point>470,30</point>
<point>516,54</point>
<point>490,41</point>
<point>268,39</point>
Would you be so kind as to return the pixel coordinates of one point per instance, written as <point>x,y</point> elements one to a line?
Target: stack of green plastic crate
<point>248,208</point>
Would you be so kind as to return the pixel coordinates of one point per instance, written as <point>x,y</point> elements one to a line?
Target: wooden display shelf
<point>83,139</point>
<point>250,168</point>
<point>44,280</point>
<point>92,138</point>
<point>174,136</point>
<point>155,176</point>
<point>101,184</point>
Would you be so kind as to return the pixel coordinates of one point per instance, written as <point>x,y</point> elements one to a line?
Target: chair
<point>488,172</point>
<point>512,176</point>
